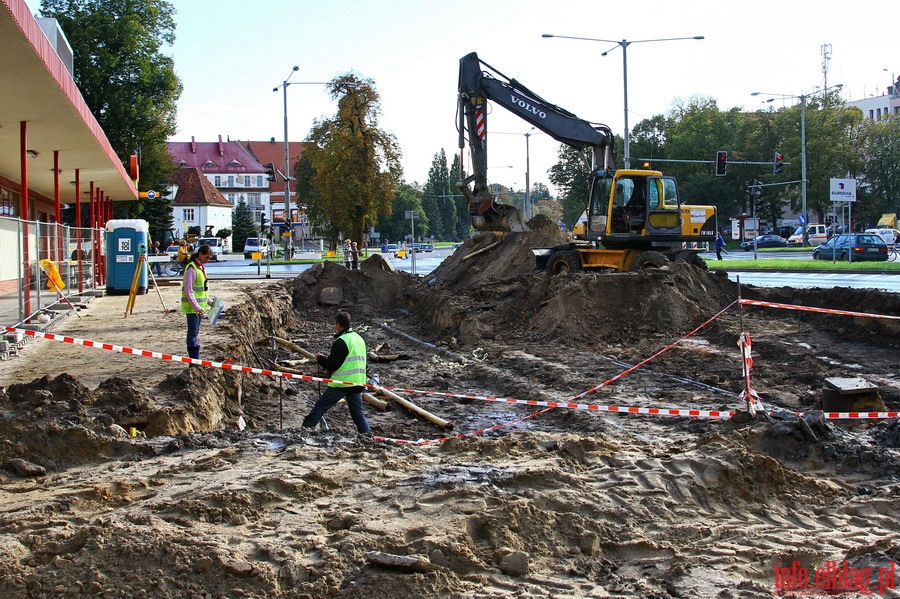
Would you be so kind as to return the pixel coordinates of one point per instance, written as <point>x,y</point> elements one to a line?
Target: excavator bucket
<point>502,217</point>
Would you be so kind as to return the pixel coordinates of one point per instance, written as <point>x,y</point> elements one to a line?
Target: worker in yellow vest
<point>195,296</point>
<point>346,362</point>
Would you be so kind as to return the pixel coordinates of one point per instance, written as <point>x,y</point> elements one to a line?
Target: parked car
<point>426,247</point>
<point>172,251</point>
<point>258,244</point>
<point>415,247</point>
<point>765,241</point>
<point>856,247</point>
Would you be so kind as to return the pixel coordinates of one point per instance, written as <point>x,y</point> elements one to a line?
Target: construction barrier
<point>749,395</point>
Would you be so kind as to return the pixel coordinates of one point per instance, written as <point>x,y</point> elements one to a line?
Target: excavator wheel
<point>564,262</point>
<point>649,260</point>
<point>692,258</point>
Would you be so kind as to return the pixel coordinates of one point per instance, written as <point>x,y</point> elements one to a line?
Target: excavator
<point>634,218</point>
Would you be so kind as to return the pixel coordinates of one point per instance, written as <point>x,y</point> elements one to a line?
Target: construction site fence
<point>76,252</point>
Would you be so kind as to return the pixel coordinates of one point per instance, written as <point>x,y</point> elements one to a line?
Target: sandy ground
<point>550,503</point>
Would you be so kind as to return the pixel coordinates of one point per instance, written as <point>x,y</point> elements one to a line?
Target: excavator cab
<point>633,208</point>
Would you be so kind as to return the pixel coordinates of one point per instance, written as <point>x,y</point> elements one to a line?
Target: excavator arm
<point>478,83</point>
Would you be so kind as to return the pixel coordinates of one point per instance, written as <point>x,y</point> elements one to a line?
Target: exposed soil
<point>548,503</point>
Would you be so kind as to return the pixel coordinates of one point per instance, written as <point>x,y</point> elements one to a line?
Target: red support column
<point>79,236</point>
<point>60,252</point>
<point>104,216</point>
<point>92,227</point>
<point>23,202</point>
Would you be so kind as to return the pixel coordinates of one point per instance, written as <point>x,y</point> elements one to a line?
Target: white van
<point>215,243</point>
<point>890,236</point>
<point>818,234</point>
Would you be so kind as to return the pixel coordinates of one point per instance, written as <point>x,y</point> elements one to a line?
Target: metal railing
<point>24,289</point>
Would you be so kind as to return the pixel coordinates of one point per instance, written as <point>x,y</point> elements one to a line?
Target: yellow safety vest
<point>354,367</point>
<point>200,292</point>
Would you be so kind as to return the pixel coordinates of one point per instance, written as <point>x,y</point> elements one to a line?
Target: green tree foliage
<point>158,214</point>
<point>880,141</point>
<point>437,201</point>
<point>308,194</point>
<point>396,227</point>
<point>127,82</point>
<point>244,225</point>
<point>356,164</point>
<point>570,176</point>
<point>463,222</point>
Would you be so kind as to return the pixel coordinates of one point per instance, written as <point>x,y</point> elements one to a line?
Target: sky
<point>230,54</point>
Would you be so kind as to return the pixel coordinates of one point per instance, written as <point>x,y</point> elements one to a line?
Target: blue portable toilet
<point>126,242</point>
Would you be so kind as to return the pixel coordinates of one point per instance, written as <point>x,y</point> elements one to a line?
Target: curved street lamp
<point>624,45</point>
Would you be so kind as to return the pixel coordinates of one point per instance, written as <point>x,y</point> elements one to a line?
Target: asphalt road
<point>236,266</point>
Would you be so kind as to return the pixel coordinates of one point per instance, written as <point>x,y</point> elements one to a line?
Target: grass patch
<point>802,264</point>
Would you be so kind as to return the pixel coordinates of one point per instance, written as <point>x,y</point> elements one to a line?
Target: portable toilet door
<point>126,241</point>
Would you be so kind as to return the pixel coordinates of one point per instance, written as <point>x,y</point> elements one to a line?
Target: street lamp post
<point>528,211</point>
<point>802,98</point>
<point>287,180</point>
<point>624,45</point>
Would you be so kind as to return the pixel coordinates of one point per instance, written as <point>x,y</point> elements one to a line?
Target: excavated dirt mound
<point>221,494</point>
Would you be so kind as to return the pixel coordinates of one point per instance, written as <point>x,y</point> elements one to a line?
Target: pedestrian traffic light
<point>270,171</point>
<point>776,168</point>
<point>721,162</point>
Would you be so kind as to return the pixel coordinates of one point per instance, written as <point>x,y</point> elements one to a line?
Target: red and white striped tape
<point>548,405</point>
<point>748,302</point>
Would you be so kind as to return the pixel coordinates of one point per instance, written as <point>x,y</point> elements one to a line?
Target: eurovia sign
<point>843,190</point>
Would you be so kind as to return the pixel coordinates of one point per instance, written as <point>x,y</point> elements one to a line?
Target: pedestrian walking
<point>720,246</point>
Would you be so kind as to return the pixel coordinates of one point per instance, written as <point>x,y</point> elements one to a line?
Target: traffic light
<point>721,162</point>
<point>263,220</point>
<point>270,171</point>
<point>776,167</point>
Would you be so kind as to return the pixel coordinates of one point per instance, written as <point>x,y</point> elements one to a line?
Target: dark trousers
<point>193,335</point>
<point>333,395</point>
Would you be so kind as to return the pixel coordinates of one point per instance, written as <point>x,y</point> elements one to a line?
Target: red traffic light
<point>721,162</point>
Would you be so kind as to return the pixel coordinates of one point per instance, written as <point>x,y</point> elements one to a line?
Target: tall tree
<point>397,227</point>
<point>356,164</point>
<point>244,225</point>
<point>881,169</point>
<point>436,200</point>
<point>127,82</point>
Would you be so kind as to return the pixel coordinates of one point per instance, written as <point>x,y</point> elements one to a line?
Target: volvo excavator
<point>634,219</point>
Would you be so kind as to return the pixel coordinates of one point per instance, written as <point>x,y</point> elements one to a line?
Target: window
<point>189,214</point>
<point>217,180</point>
<point>254,199</point>
<point>246,180</point>
<point>231,197</point>
<point>8,201</point>
<point>259,181</point>
<point>230,180</point>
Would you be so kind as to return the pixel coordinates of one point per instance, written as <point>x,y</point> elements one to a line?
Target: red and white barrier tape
<point>747,302</point>
<point>548,405</point>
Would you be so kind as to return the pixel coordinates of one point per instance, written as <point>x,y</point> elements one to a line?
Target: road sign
<point>802,219</point>
<point>413,214</point>
<point>150,195</point>
<point>843,190</point>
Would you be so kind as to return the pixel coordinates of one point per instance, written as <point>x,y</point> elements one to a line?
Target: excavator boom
<point>478,83</point>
